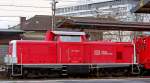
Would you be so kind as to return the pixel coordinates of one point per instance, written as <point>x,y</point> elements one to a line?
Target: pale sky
<point>10,10</point>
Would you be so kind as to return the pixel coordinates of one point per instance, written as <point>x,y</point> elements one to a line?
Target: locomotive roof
<point>68,33</point>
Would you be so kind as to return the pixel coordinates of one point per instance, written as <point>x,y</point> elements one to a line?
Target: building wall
<point>118,9</point>
<point>3,52</point>
<point>34,35</point>
<point>4,43</point>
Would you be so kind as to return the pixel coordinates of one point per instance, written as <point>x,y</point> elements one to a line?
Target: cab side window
<point>70,38</point>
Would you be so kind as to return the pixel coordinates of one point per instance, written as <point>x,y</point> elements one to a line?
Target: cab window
<point>70,38</point>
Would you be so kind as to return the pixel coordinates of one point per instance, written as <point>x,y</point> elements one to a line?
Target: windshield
<point>75,38</point>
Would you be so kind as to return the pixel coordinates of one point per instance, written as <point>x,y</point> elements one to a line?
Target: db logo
<point>97,52</point>
<point>102,52</point>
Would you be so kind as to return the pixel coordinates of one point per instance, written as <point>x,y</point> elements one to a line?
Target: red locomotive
<point>70,53</point>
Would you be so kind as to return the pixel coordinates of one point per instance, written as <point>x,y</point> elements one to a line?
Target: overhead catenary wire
<point>9,21</point>
<point>27,11</point>
<point>65,0</point>
<point>9,16</point>
<point>30,6</point>
<point>25,6</point>
<point>13,7</point>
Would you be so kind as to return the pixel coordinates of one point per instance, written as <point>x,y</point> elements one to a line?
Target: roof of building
<point>43,22</point>
<point>142,7</point>
<point>10,32</point>
<point>105,25</point>
<point>40,22</point>
<point>7,35</point>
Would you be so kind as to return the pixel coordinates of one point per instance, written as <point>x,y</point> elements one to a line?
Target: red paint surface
<point>143,51</point>
<point>57,52</point>
<point>47,52</point>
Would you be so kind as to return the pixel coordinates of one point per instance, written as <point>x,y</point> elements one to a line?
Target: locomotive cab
<point>64,36</point>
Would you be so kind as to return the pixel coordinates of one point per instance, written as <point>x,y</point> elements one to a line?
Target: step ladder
<point>94,70</point>
<point>136,69</point>
<point>135,66</point>
<point>20,67</point>
<point>64,70</point>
